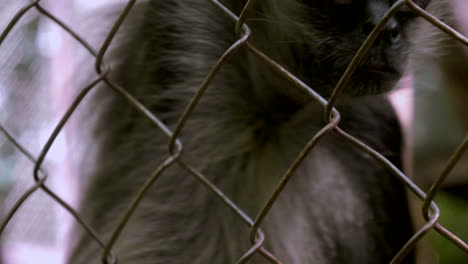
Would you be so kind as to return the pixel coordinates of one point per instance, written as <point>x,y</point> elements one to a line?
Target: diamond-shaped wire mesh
<point>430,210</point>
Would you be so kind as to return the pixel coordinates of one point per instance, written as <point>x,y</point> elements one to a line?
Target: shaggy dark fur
<point>341,206</point>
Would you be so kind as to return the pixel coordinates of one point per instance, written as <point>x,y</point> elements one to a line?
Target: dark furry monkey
<point>341,206</point>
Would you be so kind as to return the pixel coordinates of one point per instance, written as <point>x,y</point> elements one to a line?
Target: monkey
<point>340,206</point>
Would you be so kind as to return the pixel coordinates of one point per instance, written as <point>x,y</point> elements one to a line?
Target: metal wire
<point>430,210</point>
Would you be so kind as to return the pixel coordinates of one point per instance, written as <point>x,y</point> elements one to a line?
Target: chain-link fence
<point>429,208</point>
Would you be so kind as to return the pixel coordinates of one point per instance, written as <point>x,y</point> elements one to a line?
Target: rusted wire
<point>429,208</point>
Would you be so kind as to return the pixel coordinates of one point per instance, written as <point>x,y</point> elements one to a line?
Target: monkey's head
<point>332,31</point>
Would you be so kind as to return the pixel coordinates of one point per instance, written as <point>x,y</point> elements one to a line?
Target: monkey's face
<point>339,27</point>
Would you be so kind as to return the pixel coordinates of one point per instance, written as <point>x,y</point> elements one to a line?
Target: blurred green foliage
<point>454,216</point>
